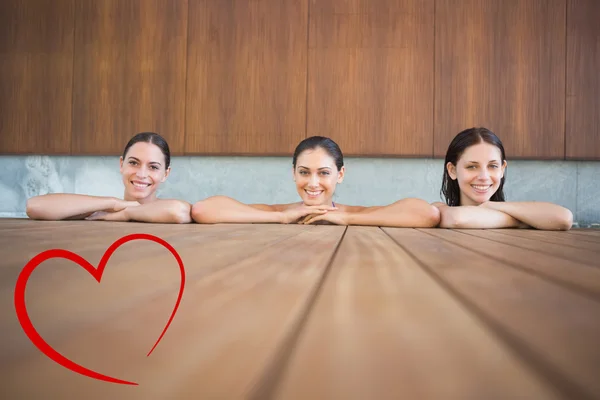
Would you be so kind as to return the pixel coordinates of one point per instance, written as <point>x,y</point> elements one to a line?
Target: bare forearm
<point>60,206</point>
<point>161,211</point>
<point>411,213</point>
<point>222,209</point>
<point>540,215</point>
<point>473,217</point>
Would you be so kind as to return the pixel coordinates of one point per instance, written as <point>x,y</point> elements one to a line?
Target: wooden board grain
<point>501,65</point>
<point>382,328</point>
<point>129,73</point>
<point>370,76</point>
<point>36,76</point>
<point>553,328</point>
<point>230,324</point>
<point>246,79</point>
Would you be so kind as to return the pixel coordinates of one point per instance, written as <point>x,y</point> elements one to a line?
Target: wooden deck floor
<point>306,312</point>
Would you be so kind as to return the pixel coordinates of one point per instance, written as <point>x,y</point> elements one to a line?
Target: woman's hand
<point>117,213</point>
<point>122,204</point>
<point>335,217</point>
<point>109,216</point>
<point>294,214</point>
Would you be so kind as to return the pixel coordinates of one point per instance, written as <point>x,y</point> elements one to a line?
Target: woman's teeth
<point>140,185</point>
<point>481,188</point>
<point>313,193</point>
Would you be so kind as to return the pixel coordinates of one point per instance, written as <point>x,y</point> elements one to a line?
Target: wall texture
<point>369,181</point>
<point>253,77</point>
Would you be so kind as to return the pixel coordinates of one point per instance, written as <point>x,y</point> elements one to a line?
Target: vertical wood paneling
<point>583,79</point>
<point>501,64</point>
<point>36,75</point>
<point>129,73</point>
<point>246,86</point>
<point>370,75</point>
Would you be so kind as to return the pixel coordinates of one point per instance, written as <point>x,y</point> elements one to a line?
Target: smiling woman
<point>318,167</point>
<point>144,165</point>
<point>473,184</point>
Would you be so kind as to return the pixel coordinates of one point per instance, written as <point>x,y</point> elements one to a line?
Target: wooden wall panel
<point>501,64</point>
<point>129,73</point>
<point>583,79</point>
<point>246,87</point>
<point>36,75</point>
<point>370,75</point>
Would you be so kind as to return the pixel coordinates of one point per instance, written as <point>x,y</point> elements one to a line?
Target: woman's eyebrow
<point>302,166</point>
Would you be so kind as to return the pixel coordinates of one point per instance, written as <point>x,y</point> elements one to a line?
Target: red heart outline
<point>35,337</point>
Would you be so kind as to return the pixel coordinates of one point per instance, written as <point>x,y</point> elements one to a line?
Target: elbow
<point>450,219</point>
<point>33,208</point>
<point>565,220</point>
<point>429,216</point>
<point>200,212</point>
<point>432,217</point>
<point>206,211</point>
<point>181,212</point>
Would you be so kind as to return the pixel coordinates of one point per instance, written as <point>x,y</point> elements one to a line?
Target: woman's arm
<point>540,215</point>
<point>222,209</point>
<point>475,217</point>
<point>157,211</point>
<point>411,213</point>
<point>59,206</point>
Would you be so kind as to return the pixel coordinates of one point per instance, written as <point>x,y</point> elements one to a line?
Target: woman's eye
<point>324,173</point>
<point>154,167</point>
<point>132,163</point>
<point>303,173</point>
<point>471,167</point>
<point>493,166</point>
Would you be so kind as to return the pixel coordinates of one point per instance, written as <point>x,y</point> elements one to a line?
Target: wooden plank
<point>382,328</point>
<point>560,238</point>
<point>370,75</point>
<point>206,250</point>
<point>585,237</point>
<point>563,252</point>
<point>130,70</point>
<point>554,328</point>
<point>585,232</point>
<point>246,81</point>
<point>91,239</point>
<point>36,70</point>
<point>583,80</point>
<point>501,64</point>
<point>580,277</point>
<point>228,328</point>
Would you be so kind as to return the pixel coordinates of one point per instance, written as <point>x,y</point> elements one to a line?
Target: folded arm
<point>539,215</point>
<point>475,217</point>
<point>160,212</point>
<point>411,213</point>
<point>223,209</point>
<point>60,206</point>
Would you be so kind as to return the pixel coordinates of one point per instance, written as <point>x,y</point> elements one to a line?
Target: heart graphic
<point>35,337</point>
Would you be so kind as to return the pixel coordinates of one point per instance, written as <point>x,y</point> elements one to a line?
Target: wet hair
<point>324,143</point>
<point>465,139</point>
<point>154,138</point>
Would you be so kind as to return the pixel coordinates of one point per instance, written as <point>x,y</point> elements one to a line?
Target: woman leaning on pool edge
<point>318,166</point>
<point>473,184</point>
<point>144,166</point>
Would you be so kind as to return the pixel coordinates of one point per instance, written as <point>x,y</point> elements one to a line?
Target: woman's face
<point>479,171</point>
<point>143,170</point>
<point>316,177</point>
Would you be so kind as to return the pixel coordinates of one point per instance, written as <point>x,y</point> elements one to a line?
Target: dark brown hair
<point>154,138</point>
<point>465,139</point>
<point>326,144</point>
